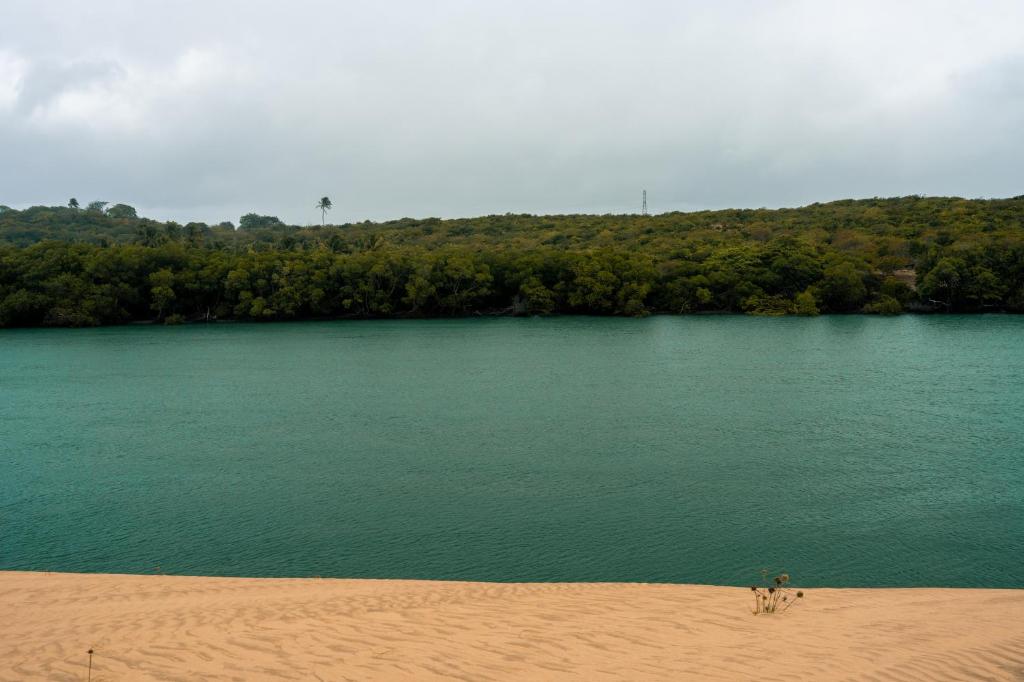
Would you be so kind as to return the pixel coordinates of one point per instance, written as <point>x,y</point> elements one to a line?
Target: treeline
<point>890,233</point>
<point>56,283</point>
<point>876,256</point>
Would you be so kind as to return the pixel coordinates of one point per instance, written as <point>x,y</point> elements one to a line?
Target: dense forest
<point>74,266</point>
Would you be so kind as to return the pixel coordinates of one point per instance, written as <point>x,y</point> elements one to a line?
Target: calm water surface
<point>847,450</point>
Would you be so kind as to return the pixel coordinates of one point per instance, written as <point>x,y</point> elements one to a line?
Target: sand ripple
<point>183,628</point>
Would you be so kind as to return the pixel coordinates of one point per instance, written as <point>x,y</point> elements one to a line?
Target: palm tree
<point>324,205</point>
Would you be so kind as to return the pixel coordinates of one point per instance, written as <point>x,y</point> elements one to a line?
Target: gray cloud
<point>210,109</point>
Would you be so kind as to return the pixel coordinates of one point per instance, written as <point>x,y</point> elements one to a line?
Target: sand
<point>186,628</point>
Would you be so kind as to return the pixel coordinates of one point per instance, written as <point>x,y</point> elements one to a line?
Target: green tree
<point>252,221</point>
<point>324,205</point>
<point>539,299</point>
<point>162,291</point>
<point>122,211</point>
<point>842,287</point>
<point>885,305</point>
<point>944,282</point>
<point>805,304</point>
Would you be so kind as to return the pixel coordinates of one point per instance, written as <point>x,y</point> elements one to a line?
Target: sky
<point>205,110</point>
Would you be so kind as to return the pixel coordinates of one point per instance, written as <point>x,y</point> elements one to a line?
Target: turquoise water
<point>846,450</point>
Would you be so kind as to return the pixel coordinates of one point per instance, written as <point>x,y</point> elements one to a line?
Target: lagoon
<point>847,450</point>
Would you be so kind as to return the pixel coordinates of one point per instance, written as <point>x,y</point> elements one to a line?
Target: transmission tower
<point>643,211</point>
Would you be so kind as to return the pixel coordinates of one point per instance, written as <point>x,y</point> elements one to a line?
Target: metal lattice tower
<point>643,211</point>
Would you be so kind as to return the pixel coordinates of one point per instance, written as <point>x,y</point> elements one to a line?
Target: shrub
<point>805,304</point>
<point>886,305</point>
<point>775,596</point>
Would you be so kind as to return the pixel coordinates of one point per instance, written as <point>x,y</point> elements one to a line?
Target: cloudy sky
<point>208,109</point>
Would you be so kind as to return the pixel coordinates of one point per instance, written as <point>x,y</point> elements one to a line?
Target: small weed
<point>775,595</point>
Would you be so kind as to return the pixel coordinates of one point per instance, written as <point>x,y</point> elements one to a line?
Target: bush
<point>805,304</point>
<point>775,596</point>
<point>885,305</point>
<point>768,306</point>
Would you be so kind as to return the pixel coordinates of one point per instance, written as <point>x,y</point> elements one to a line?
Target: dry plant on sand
<point>775,596</point>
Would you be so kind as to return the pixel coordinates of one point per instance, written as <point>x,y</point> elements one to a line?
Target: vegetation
<point>105,265</point>
<point>775,596</point>
<point>324,205</point>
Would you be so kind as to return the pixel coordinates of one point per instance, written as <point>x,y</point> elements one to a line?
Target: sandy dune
<point>181,628</point>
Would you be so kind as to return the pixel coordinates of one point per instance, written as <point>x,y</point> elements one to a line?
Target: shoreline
<point>154,627</point>
<point>502,316</point>
<point>457,581</point>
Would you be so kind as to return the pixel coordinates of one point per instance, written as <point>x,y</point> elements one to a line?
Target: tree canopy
<point>61,266</point>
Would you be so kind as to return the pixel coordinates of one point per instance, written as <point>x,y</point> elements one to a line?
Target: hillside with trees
<point>103,264</point>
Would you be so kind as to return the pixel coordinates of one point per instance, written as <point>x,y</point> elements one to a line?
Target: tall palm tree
<point>324,205</point>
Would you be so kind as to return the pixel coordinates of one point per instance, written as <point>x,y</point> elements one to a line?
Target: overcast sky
<point>209,109</point>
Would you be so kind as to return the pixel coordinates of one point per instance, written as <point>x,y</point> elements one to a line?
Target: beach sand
<point>188,628</point>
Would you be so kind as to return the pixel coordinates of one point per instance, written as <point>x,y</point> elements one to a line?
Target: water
<point>846,450</point>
